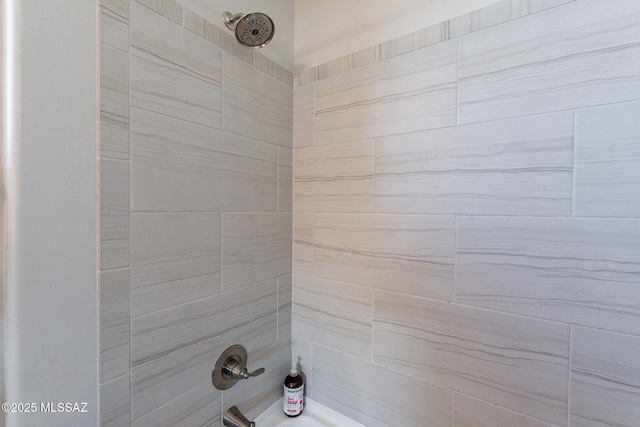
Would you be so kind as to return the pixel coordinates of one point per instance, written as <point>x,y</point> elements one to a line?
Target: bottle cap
<point>294,372</point>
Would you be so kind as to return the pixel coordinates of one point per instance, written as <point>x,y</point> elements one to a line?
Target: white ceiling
<point>329,29</point>
<point>312,32</point>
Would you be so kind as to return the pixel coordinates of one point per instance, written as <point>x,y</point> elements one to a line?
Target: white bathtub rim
<point>274,416</point>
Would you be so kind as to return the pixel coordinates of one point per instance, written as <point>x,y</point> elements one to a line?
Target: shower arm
<point>230,20</point>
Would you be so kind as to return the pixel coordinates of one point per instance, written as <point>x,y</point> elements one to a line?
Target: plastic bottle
<point>293,394</point>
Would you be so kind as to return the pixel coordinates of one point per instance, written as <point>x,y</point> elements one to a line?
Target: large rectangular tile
<point>605,379</point>
<point>256,104</point>
<point>167,8</point>
<point>285,179</point>
<point>608,161</point>
<point>114,214</point>
<point>374,395</point>
<point>411,254</point>
<point>256,247</point>
<point>181,166</point>
<point>303,243</point>
<point>174,71</point>
<point>303,116</point>
<point>333,314</point>
<point>285,284</point>
<point>114,23</point>
<point>573,56</point>
<point>512,167</point>
<point>575,270</point>
<point>335,178</point>
<point>115,402</point>
<point>410,92</point>
<point>302,358</point>
<point>469,412</point>
<point>201,26</point>
<point>114,103</point>
<point>114,324</point>
<point>173,350</point>
<point>175,258</point>
<point>199,406</point>
<point>516,362</point>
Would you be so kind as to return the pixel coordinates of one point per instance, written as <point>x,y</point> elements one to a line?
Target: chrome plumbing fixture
<point>234,418</point>
<point>231,367</point>
<point>253,30</point>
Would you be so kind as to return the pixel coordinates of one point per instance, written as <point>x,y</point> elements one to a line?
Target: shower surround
<point>467,221</point>
<point>195,215</point>
<point>465,244</point>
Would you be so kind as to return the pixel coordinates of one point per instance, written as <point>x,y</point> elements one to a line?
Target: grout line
<point>569,376</point>
<point>574,162</point>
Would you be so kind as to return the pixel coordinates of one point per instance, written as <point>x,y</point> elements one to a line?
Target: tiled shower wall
<point>195,216</point>
<point>467,221</point>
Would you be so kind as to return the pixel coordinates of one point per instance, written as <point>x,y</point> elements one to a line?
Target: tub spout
<point>234,418</point>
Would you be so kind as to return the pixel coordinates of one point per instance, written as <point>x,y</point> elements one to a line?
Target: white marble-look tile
<point>167,8</point>
<point>516,362</point>
<point>231,45</point>
<point>411,254</point>
<point>410,92</point>
<point>433,34</point>
<point>303,242</point>
<point>255,104</point>
<point>256,247</point>
<point>285,179</point>
<point>302,359</point>
<point>284,307</point>
<point>510,167</point>
<point>333,314</point>
<point>397,46</point>
<point>174,71</point>
<point>335,178</point>
<point>479,19</point>
<point>173,350</point>
<point>199,406</point>
<point>608,161</point>
<point>306,77</point>
<point>175,258</point>
<point>114,214</point>
<point>303,116</point>
<point>114,324</point>
<point>272,68</point>
<point>332,68</point>
<point>374,395</point>
<point>470,412</point>
<point>114,23</point>
<point>574,56</point>
<point>115,402</point>
<point>254,396</point>
<point>520,8</point>
<point>114,103</point>
<point>201,27</point>
<point>576,270</point>
<point>605,379</point>
<point>182,166</point>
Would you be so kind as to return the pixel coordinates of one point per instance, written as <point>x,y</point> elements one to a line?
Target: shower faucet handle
<point>235,368</point>
<point>231,367</point>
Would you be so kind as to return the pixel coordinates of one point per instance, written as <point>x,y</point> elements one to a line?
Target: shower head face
<point>254,30</point>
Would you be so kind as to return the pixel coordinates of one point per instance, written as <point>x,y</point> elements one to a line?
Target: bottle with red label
<point>293,394</point>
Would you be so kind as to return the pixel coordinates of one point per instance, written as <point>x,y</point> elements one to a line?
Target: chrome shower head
<point>253,30</point>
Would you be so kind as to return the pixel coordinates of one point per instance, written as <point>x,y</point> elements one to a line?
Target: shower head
<point>253,30</point>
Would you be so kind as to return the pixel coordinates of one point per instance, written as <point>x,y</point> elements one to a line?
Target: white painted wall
<point>50,165</point>
<point>329,29</point>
